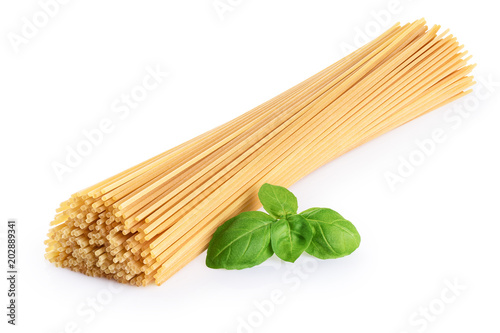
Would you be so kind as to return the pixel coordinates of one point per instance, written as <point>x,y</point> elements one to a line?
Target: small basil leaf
<point>241,242</point>
<point>278,201</point>
<point>334,236</point>
<point>290,237</point>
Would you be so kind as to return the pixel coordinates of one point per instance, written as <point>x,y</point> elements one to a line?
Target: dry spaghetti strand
<point>147,222</point>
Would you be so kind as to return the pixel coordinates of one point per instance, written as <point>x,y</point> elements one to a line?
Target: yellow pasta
<point>148,222</point>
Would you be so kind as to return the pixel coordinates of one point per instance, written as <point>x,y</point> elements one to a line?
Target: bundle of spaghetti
<point>146,223</point>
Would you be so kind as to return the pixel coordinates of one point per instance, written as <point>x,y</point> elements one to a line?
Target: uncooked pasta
<point>146,223</point>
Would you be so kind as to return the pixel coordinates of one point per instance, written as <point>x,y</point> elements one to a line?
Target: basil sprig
<point>250,238</point>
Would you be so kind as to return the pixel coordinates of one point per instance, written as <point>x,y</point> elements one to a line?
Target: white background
<point>441,224</point>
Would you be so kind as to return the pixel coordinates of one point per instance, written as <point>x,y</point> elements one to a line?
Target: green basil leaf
<point>334,236</point>
<point>290,237</point>
<point>278,201</point>
<point>241,242</point>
